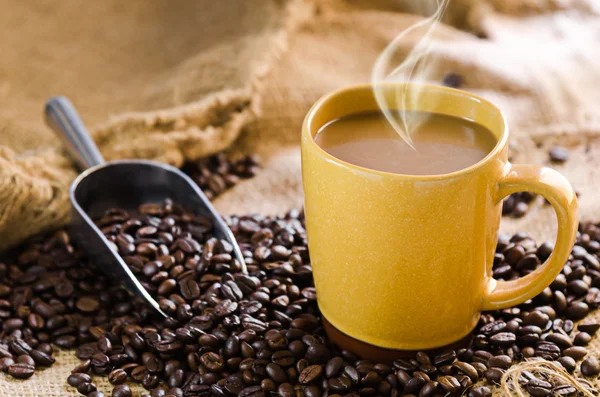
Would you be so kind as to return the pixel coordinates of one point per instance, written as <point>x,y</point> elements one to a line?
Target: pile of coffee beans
<point>260,333</point>
<point>217,173</point>
<point>517,204</point>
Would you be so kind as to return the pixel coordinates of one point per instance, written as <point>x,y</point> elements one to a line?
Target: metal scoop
<point>121,184</point>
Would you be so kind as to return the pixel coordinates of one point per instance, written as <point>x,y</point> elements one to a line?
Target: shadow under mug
<point>403,261</point>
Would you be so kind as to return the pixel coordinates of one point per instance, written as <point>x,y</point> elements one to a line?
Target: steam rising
<point>416,67</point>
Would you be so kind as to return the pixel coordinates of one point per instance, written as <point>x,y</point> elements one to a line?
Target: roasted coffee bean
<point>565,390</point>
<point>212,361</point>
<point>577,310</point>
<point>582,339</point>
<point>479,391</point>
<point>576,352</point>
<point>21,371</point>
<point>310,374</point>
<point>539,388</point>
<point>503,339</point>
<point>25,359</point>
<point>561,340</point>
<point>568,363</point>
<point>340,384</point>
<point>493,375</point>
<point>286,390</point>
<point>501,361</point>
<point>78,378</point>
<point>449,384</point>
<point>334,366</point>
<point>414,385</point>
<point>87,304</point>
<point>589,367</point>
<point>6,362</point>
<point>276,373</point>
<point>558,154</point>
<point>83,367</point>
<point>86,388</point>
<point>42,359</point>
<point>117,376</point>
<point>590,328</point>
<point>121,391</point>
<point>189,289</point>
<point>453,80</point>
<point>467,369</point>
<point>252,391</point>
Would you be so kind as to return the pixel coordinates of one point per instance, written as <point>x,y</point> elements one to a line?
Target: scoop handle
<point>62,117</point>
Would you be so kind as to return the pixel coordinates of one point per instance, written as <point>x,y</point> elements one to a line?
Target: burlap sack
<point>160,79</point>
<point>540,68</point>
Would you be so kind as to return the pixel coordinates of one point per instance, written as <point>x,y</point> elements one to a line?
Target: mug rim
<point>316,107</point>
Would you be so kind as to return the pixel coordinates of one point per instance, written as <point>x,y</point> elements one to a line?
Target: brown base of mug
<point>367,351</point>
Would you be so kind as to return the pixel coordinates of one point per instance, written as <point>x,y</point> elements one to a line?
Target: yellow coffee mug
<point>404,261</point>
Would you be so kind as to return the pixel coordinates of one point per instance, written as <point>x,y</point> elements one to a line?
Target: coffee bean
<point>449,384</point>
<point>576,352</point>
<point>590,328</point>
<point>284,358</point>
<point>589,367</point>
<point>577,310</point>
<point>582,339</point>
<point>6,362</point>
<point>334,366</point>
<point>189,289</point>
<point>565,390</point>
<point>536,318</point>
<point>568,363</point>
<point>117,376</point>
<point>503,339</point>
<point>467,369</point>
<point>86,388</point>
<point>21,371</point>
<point>480,391</point>
<point>501,361</point>
<point>310,374</point>
<point>548,351</point>
<point>121,391</point>
<point>494,375</point>
<point>340,384</point>
<point>212,361</point>
<point>25,359</point>
<point>276,373</point>
<point>78,378</point>
<point>453,80</point>
<point>560,340</point>
<point>83,367</point>
<point>41,358</point>
<point>444,358</point>
<point>558,154</point>
<point>87,304</point>
<point>539,388</point>
<point>286,390</point>
<point>252,391</point>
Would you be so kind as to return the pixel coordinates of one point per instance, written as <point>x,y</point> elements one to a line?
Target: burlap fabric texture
<point>154,80</point>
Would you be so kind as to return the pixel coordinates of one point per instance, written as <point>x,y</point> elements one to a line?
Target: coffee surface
<point>442,144</point>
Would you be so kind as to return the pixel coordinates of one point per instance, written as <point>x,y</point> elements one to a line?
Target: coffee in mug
<point>402,245</point>
<point>441,143</point>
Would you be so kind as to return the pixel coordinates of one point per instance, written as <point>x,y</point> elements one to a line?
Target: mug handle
<point>558,191</point>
